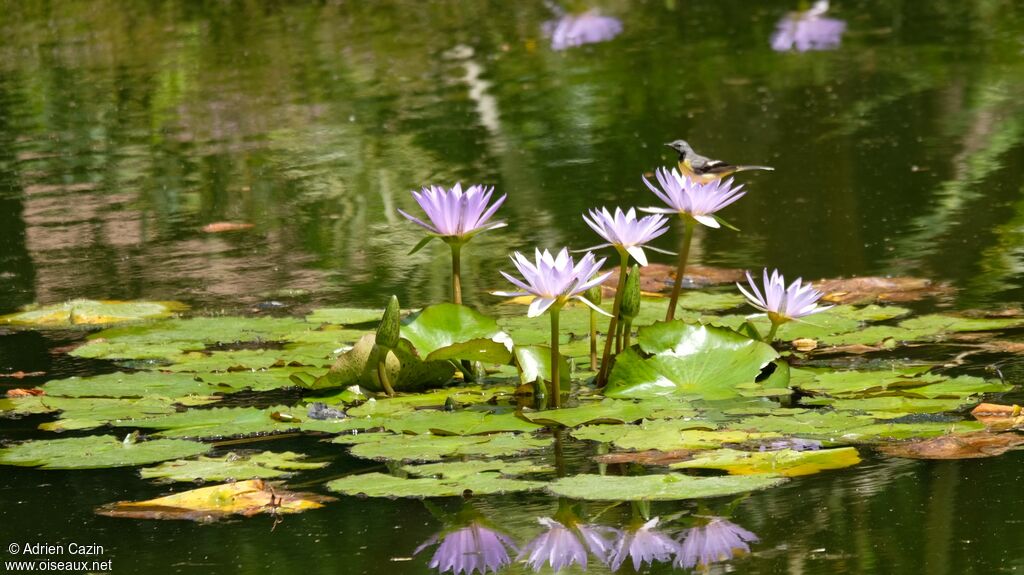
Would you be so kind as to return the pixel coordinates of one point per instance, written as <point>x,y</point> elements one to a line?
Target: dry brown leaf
<point>805,344</point>
<point>967,446</point>
<point>998,417</point>
<point>649,457</point>
<point>246,498</point>
<point>21,392</point>
<point>220,227</point>
<point>870,289</point>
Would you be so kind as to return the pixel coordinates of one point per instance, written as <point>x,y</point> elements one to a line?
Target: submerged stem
<point>556,384</point>
<point>684,254</point>
<point>456,273</point>
<point>602,376</point>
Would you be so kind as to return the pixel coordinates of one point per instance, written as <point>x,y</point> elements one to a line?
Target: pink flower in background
<point>590,27</point>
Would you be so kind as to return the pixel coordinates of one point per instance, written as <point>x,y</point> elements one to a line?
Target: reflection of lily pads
<point>84,312</point>
<point>459,469</point>
<point>232,466</point>
<point>785,462</point>
<point>244,498</point>
<point>663,487</point>
<point>451,331</point>
<point>435,448</point>
<point>96,452</point>
<point>383,485</point>
<point>688,359</point>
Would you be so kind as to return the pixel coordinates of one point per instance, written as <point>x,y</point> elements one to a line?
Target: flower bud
<point>388,330</point>
<point>630,306</point>
<point>593,295</point>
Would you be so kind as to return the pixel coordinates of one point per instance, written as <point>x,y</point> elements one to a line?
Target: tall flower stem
<point>456,272</point>
<point>627,331</point>
<point>684,254</point>
<point>771,334</point>
<point>593,339</point>
<point>602,376</point>
<point>556,383</point>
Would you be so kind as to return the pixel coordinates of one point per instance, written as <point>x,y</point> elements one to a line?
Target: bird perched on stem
<point>702,169</point>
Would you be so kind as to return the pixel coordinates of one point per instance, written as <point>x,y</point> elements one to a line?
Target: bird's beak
<point>670,145</point>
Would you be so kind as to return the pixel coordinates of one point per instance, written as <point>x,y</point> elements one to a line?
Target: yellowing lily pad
<point>786,462</point>
<point>246,498</point>
<point>84,312</point>
<point>661,487</point>
<point>96,452</point>
<point>383,485</point>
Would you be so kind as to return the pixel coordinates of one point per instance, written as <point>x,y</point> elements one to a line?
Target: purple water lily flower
<point>454,213</point>
<point>561,546</point>
<point>644,545</point>
<point>687,197</point>
<point>555,279</point>
<point>783,303</point>
<point>469,549</point>
<point>590,27</point>
<point>719,540</point>
<point>809,30</point>
<point>624,231</point>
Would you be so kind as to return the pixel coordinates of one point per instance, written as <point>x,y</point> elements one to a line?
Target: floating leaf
<point>688,359</point>
<point>436,448</point>
<point>813,424</point>
<point>344,315</point>
<point>84,312</point>
<point>436,398</point>
<point>265,465</point>
<point>221,422</point>
<point>140,384</point>
<point>246,498</point>
<point>534,361</point>
<point>888,407</point>
<point>383,485</point>
<point>96,452</point>
<point>452,331</point>
<point>607,410</point>
<point>895,431</point>
<point>786,462</point>
<point>667,435</point>
<point>963,446</point>
<point>649,457</point>
<point>460,469</point>
<point>661,487</point>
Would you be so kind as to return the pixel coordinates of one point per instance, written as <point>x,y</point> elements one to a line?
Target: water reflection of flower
<point>809,30</point>
<point>718,540</point>
<point>643,544</point>
<point>565,544</point>
<point>469,549</point>
<point>590,27</point>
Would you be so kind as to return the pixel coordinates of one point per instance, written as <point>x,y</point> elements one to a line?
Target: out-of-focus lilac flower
<point>688,197</point>
<point>809,30</point>
<point>623,230</point>
<point>600,540</point>
<point>469,549</point>
<point>644,545</point>
<point>590,27</point>
<point>719,540</point>
<point>783,303</point>
<point>794,443</point>
<point>552,279</point>
<point>561,546</point>
<point>457,214</point>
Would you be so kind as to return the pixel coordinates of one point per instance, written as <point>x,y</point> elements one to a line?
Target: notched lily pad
<point>95,452</point>
<point>265,465</point>
<point>661,487</point>
<point>383,485</point>
<point>245,498</point>
<point>451,331</point>
<point>785,462</point>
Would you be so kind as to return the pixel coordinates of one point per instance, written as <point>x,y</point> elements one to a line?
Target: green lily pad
<point>786,462</point>
<point>231,466</point>
<point>662,487</point>
<point>460,469</point>
<point>383,485</point>
<point>869,313</point>
<point>344,315</point>
<point>882,432</point>
<point>853,382</point>
<point>85,312</point>
<point>221,422</point>
<point>812,327</point>
<point>707,301</point>
<point>406,370</point>
<point>811,425</point>
<point>140,384</point>
<point>96,452</point>
<point>692,359</point>
<point>667,435</point>
<point>534,361</point>
<point>952,323</point>
<point>89,412</point>
<point>887,407</point>
<point>451,331</point>
<point>461,395</point>
<point>607,410</point>
<point>436,448</point>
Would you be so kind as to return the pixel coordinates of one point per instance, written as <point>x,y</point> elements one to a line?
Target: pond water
<point>126,127</point>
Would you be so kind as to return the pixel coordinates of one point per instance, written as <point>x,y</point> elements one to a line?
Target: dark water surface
<point>125,127</point>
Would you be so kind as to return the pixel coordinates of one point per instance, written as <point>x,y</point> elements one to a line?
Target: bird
<point>702,169</point>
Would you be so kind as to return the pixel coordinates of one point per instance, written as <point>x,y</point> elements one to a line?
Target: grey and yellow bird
<point>703,169</point>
